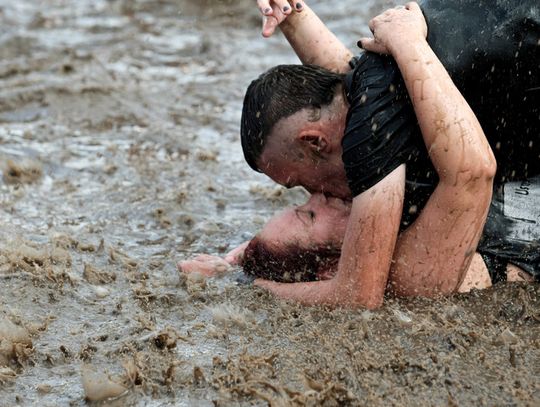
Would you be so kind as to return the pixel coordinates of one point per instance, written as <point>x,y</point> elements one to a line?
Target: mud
<point>120,155</point>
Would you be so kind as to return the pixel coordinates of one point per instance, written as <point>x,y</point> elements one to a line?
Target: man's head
<point>292,125</point>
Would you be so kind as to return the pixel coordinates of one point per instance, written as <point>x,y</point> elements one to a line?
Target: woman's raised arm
<point>433,254</point>
<point>312,41</point>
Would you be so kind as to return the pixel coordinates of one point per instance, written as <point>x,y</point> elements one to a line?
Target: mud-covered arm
<point>312,41</point>
<point>366,252</point>
<point>369,242</point>
<point>433,254</point>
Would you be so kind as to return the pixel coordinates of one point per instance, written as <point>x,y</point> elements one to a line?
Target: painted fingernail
<point>298,6</point>
<point>267,10</point>
<point>359,44</point>
<point>286,8</point>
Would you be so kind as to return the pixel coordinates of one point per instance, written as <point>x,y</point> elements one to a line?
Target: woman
<point>303,244</point>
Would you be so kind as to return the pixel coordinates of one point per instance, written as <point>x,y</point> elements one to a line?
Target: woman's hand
<point>275,12</point>
<point>395,28</point>
<point>235,256</point>
<point>204,264</point>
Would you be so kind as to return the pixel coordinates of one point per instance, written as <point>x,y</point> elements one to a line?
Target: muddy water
<point>120,155</point>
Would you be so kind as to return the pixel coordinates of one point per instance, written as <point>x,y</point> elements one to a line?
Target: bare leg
<point>477,276</point>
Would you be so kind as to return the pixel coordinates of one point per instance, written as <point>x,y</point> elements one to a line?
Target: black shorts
<point>512,231</point>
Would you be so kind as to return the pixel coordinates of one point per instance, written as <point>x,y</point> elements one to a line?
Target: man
<point>304,144</point>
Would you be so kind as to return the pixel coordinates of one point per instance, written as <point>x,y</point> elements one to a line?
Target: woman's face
<point>321,221</point>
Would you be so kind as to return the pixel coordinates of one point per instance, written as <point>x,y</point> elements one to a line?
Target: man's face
<point>290,168</point>
<point>290,161</point>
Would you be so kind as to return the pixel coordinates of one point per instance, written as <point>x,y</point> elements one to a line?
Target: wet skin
<point>307,153</point>
<point>321,221</point>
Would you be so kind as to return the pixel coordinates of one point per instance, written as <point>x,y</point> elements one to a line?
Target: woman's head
<point>290,263</point>
<point>320,222</point>
<point>301,243</point>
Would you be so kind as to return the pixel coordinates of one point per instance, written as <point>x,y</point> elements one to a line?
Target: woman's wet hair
<point>279,93</point>
<point>291,264</point>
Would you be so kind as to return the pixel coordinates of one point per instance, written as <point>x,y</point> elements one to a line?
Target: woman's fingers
<point>270,24</point>
<point>190,266</point>
<point>284,6</point>
<point>298,5</point>
<point>204,264</point>
<point>268,7</point>
<point>371,25</point>
<point>370,44</point>
<point>412,5</point>
<point>264,6</point>
<point>234,257</point>
<point>395,25</point>
<point>275,12</point>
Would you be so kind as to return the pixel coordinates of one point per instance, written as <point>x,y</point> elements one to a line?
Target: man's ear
<point>316,141</point>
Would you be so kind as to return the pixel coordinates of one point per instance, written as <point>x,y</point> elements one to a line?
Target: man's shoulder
<point>369,70</point>
<point>380,121</point>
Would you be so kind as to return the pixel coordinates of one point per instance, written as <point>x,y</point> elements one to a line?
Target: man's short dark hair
<point>279,93</point>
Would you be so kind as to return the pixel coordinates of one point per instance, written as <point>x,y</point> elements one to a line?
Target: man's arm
<point>312,41</point>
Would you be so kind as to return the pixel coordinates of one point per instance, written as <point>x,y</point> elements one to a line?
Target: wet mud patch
<point>99,387</point>
<point>128,113</point>
<point>458,350</point>
<point>24,172</point>
<point>15,349</point>
<point>23,257</point>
